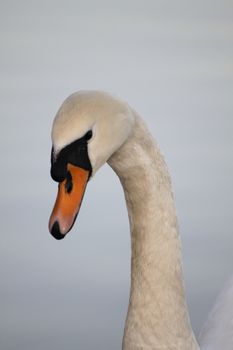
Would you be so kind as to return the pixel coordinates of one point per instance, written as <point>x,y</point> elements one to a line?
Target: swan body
<point>217,332</point>
<point>157,315</point>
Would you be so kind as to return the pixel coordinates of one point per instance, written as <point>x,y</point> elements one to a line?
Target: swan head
<point>88,129</point>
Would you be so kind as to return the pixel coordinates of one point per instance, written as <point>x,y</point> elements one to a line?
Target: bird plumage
<point>157,315</point>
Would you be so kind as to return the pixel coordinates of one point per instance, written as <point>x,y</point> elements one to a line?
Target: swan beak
<point>68,202</point>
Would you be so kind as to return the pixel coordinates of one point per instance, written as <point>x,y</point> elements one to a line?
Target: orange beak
<point>68,202</point>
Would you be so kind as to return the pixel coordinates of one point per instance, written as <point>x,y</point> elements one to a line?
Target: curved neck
<point>157,315</point>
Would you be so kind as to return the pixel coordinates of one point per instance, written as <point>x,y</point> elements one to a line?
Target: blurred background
<point>173,62</point>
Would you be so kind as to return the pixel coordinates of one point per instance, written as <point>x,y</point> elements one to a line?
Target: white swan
<point>92,128</point>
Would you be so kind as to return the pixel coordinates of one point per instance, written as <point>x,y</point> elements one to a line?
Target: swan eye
<point>69,183</point>
<point>88,135</point>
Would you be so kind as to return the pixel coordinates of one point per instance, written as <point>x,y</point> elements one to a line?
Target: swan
<point>90,129</point>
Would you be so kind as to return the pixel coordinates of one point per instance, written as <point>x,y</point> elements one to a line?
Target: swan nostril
<point>69,182</point>
<point>55,231</point>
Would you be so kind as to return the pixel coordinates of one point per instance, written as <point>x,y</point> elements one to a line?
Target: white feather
<point>157,315</point>
<point>217,332</point>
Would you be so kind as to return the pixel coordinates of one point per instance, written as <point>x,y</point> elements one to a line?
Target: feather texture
<point>157,316</point>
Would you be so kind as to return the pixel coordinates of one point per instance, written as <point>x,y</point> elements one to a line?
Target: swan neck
<point>157,316</point>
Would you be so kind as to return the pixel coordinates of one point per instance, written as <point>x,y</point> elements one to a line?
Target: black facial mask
<point>75,153</point>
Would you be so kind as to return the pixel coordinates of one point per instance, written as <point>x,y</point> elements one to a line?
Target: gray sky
<point>173,62</point>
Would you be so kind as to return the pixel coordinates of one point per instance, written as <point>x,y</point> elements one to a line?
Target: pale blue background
<point>173,62</point>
